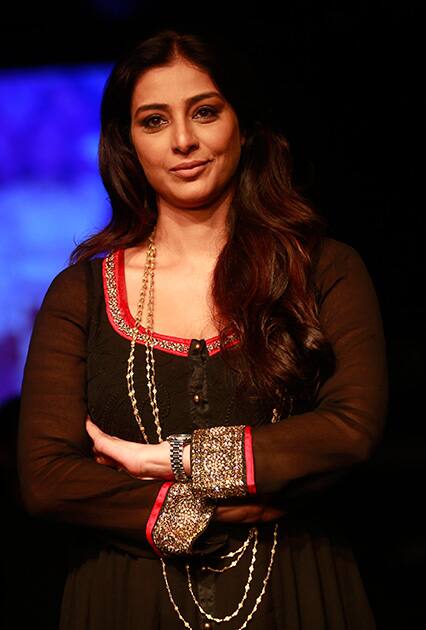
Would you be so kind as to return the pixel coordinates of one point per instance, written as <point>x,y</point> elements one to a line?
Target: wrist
<point>156,461</point>
<point>166,463</point>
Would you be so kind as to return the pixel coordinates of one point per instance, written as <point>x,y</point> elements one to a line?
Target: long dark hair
<point>263,280</point>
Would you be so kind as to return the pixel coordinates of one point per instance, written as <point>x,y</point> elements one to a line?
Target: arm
<point>59,477</point>
<point>306,453</point>
<point>311,450</point>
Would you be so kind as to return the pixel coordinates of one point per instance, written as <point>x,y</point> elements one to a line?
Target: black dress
<point>77,365</point>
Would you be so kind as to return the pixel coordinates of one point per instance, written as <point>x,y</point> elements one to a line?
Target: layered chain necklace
<point>147,289</point>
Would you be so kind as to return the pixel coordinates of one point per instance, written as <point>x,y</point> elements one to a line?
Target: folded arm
<point>59,476</point>
<point>306,453</point>
<point>300,455</point>
<point>310,451</point>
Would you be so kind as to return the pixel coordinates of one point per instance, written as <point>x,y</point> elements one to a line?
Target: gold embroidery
<point>217,462</point>
<point>182,519</point>
<point>125,329</point>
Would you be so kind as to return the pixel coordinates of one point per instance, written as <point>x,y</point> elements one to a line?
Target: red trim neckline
<point>123,321</point>
<point>124,306</point>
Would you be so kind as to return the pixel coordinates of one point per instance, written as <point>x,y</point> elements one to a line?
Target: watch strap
<point>177,442</point>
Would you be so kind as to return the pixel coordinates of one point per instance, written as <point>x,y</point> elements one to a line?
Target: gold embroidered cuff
<point>183,517</point>
<point>218,462</point>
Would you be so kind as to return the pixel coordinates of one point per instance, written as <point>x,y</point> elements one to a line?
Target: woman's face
<point>178,117</point>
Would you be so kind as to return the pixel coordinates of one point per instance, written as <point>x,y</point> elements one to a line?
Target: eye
<point>206,112</point>
<point>152,122</point>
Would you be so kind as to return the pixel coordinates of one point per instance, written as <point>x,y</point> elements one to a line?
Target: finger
<point>272,514</point>
<point>240,514</point>
<point>93,430</point>
<point>107,461</point>
<point>248,514</point>
<point>128,455</point>
<point>102,442</point>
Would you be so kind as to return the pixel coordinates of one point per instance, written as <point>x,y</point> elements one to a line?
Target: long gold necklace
<point>147,281</point>
<point>246,588</point>
<point>258,599</point>
<point>238,553</point>
<point>147,287</point>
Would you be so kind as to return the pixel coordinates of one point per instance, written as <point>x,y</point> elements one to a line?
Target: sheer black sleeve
<point>58,476</point>
<point>309,451</point>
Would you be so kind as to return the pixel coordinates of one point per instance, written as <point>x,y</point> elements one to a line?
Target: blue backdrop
<point>51,194</point>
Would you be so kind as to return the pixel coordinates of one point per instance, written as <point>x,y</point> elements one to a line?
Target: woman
<point>195,450</point>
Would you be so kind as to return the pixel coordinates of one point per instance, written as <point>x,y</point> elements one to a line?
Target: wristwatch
<point>177,441</point>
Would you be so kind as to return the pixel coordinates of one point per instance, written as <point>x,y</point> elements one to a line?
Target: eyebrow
<point>189,101</point>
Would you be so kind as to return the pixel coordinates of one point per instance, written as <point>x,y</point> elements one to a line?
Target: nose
<point>184,139</point>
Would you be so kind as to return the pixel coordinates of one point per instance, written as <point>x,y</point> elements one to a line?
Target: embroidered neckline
<point>123,321</point>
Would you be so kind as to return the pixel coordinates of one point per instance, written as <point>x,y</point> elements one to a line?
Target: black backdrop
<point>345,83</point>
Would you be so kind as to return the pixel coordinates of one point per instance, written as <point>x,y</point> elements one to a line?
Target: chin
<point>198,199</point>
<point>201,204</point>
<point>193,201</point>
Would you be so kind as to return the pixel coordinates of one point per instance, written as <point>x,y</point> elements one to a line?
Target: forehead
<point>171,84</point>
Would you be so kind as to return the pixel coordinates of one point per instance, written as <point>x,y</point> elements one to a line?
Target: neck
<point>195,234</point>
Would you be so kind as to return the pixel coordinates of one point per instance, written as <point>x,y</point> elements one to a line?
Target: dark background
<point>345,84</point>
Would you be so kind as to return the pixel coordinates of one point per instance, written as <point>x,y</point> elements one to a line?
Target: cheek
<point>229,147</point>
<point>150,157</point>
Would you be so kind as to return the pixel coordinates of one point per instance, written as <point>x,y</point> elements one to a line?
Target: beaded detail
<point>185,514</point>
<point>242,600</point>
<point>182,519</point>
<point>218,462</point>
<point>258,598</point>
<point>118,320</point>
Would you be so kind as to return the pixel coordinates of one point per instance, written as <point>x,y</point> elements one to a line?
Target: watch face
<point>180,436</point>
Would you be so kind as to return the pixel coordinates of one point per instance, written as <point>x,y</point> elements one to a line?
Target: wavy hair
<point>263,282</point>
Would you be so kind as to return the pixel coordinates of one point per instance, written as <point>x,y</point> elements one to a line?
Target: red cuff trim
<point>161,497</point>
<point>248,454</point>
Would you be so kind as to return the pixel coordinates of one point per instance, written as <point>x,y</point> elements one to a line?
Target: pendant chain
<point>244,597</point>
<point>258,599</point>
<point>148,288</point>
<point>147,283</point>
<point>238,553</point>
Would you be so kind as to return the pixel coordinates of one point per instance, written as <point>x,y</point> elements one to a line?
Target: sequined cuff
<point>182,519</point>
<point>218,467</point>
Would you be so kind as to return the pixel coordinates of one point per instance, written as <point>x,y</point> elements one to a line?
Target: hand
<point>144,461</point>
<point>248,513</point>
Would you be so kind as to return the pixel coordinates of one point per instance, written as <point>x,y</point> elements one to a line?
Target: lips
<point>184,166</point>
<point>189,171</point>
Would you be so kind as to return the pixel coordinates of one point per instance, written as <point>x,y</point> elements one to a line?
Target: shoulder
<point>73,275</point>
<point>336,253</point>
<point>71,285</point>
<point>337,259</point>
<point>341,270</point>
